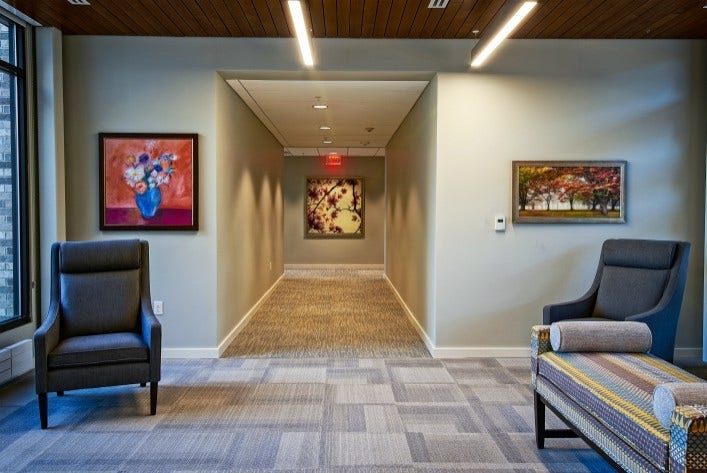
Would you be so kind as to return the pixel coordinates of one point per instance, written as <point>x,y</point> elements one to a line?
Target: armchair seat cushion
<point>109,348</point>
<point>617,390</point>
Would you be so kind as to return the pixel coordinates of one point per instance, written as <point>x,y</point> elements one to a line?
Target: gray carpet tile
<point>296,415</point>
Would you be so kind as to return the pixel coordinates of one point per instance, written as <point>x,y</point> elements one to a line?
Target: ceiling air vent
<point>79,2</point>
<point>438,4</point>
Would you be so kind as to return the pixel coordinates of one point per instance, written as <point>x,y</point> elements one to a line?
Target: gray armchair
<point>639,280</point>
<point>100,329</point>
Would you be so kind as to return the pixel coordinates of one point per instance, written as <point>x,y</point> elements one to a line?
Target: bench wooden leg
<point>539,421</point>
<point>60,393</point>
<point>142,385</point>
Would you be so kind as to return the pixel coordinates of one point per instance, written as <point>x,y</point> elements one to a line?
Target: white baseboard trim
<point>244,321</point>
<point>682,353</point>
<point>421,331</point>
<point>168,353</point>
<point>481,352</point>
<point>376,267</point>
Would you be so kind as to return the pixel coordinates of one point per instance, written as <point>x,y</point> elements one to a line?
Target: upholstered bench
<point>607,399</point>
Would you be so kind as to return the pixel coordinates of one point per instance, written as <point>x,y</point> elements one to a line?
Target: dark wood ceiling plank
<point>140,17</point>
<point>563,14</point>
<point>370,9</point>
<point>252,16</point>
<point>408,18</point>
<point>579,18</point>
<point>64,21</point>
<point>316,15</point>
<point>615,25</point>
<point>466,9</point>
<point>331,22</point>
<point>637,20</point>
<point>449,13</point>
<point>184,13</point>
<point>537,20</point>
<point>159,15</point>
<point>99,12</point>
<point>343,13</point>
<point>382,18</point>
<point>239,15</point>
<point>175,15</point>
<point>279,17</point>
<point>482,9</point>
<point>396,14</point>
<point>225,13</point>
<point>419,22</point>
<point>685,25</point>
<point>213,16</point>
<point>265,17</point>
<point>356,18</point>
<point>433,18</point>
<point>196,16</point>
<point>642,25</point>
<point>609,10</point>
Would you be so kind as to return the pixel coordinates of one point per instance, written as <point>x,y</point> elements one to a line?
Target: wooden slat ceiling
<point>571,19</point>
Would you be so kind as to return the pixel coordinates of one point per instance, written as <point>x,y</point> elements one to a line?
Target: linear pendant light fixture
<point>301,32</point>
<point>506,24</point>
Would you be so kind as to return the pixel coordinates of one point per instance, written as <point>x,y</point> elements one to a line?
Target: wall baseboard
<point>203,352</point>
<point>481,352</point>
<point>421,331</point>
<point>244,321</point>
<point>377,267</point>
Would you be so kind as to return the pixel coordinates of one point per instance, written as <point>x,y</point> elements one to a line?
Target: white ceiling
<point>285,107</point>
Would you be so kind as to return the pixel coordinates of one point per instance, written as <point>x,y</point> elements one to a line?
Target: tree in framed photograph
<point>148,181</point>
<point>569,191</point>
<point>334,207</point>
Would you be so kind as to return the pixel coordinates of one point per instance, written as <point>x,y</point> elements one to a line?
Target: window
<point>14,234</point>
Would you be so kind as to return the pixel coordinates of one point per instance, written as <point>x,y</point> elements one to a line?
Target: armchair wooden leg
<point>153,398</point>
<point>539,421</point>
<point>142,385</point>
<point>60,393</point>
<point>42,399</point>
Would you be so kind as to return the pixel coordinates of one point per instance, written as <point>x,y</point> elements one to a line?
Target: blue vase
<point>149,201</point>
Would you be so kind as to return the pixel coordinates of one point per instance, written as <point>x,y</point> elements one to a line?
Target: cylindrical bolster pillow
<point>589,336</point>
<point>667,396</point>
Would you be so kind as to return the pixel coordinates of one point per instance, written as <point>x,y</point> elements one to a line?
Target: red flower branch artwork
<point>334,207</point>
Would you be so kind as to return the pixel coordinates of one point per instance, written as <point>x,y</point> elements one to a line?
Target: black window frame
<point>20,183</point>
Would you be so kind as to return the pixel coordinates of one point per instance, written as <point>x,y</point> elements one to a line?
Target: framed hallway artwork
<point>334,207</point>
<point>148,181</point>
<point>569,191</point>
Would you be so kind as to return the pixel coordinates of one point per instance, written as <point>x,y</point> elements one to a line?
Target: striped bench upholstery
<point>617,389</point>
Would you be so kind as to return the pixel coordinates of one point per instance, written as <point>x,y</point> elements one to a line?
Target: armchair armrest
<point>662,320</point>
<point>152,335</point>
<point>577,308</point>
<point>688,439</point>
<point>45,339</point>
<point>539,344</point>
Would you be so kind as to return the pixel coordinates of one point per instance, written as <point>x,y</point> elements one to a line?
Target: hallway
<point>329,314</point>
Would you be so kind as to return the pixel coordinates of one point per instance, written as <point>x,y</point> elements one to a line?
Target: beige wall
<point>248,208</point>
<point>603,100</point>
<point>367,250</point>
<point>411,161</point>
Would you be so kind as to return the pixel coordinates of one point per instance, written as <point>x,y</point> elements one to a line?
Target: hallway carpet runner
<point>329,314</point>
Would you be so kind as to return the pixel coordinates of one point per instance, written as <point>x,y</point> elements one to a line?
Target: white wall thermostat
<point>499,223</point>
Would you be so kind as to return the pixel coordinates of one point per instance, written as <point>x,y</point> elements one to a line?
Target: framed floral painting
<point>334,207</point>
<point>148,181</point>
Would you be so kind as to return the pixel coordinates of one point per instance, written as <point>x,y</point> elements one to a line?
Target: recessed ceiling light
<point>319,106</point>
<point>325,127</point>
<point>327,141</point>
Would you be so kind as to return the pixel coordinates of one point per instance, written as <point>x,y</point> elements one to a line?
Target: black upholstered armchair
<point>100,329</point>
<point>639,280</point>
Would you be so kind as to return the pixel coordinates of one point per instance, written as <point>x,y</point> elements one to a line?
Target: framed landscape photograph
<point>569,191</point>
<point>148,181</point>
<point>334,207</point>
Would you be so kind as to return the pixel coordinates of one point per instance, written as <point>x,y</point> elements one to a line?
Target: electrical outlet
<point>157,307</point>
